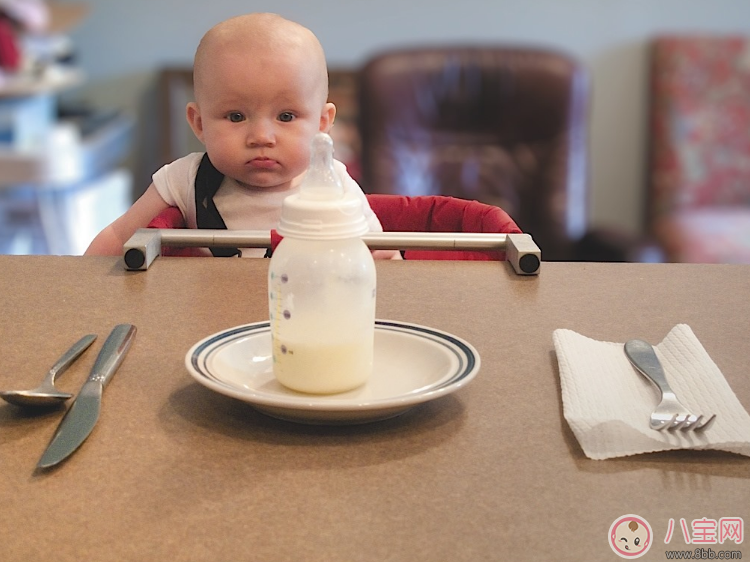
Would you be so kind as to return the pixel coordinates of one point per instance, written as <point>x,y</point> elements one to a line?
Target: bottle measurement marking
<point>279,313</point>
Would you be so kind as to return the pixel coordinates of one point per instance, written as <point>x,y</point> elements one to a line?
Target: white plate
<point>413,364</point>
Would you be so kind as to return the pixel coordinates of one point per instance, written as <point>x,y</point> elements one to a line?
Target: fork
<point>669,413</point>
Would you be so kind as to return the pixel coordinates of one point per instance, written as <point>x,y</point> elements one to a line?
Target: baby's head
<point>629,538</point>
<point>261,89</point>
<point>260,35</point>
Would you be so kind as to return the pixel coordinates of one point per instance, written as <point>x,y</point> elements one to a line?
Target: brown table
<point>174,471</point>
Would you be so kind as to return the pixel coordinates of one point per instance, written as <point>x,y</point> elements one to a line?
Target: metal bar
<point>521,251</point>
<point>184,238</point>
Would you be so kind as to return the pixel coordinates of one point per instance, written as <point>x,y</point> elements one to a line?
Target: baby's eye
<point>236,117</point>
<point>637,541</point>
<point>286,117</point>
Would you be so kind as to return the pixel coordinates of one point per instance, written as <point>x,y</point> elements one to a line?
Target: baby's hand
<point>386,254</point>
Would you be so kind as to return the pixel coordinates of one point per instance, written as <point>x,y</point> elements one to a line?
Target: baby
<point>261,95</point>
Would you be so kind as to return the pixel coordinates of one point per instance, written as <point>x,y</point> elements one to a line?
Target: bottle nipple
<point>321,182</point>
<point>322,209</point>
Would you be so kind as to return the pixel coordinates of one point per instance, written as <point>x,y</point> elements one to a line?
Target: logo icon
<point>630,536</point>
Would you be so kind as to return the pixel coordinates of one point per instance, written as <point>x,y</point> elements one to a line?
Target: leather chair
<point>503,125</point>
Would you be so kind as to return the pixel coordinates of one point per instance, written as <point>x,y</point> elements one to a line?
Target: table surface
<point>174,471</point>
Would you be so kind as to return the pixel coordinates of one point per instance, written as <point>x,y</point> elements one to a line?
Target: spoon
<point>46,394</point>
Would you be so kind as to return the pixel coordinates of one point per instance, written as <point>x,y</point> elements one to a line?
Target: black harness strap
<point>207,182</point>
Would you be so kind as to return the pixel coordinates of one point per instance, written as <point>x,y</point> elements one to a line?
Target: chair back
<point>699,123</point>
<point>699,155</point>
<point>503,125</point>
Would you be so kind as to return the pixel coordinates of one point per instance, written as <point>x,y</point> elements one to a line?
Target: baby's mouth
<point>262,162</point>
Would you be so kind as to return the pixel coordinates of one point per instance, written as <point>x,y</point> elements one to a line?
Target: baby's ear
<point>193,116</point>
<point>327,117</point>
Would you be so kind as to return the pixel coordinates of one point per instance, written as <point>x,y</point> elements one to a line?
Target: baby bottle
<point>321,284</point>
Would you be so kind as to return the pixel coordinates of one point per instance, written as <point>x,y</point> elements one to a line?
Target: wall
<point>122,44</point>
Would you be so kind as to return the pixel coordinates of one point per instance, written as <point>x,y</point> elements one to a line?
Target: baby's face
<point>258,114</point>
<point>629,537</point>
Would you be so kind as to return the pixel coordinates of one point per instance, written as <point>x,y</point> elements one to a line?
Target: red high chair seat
<point>399,213</point>
<point>438,213</point>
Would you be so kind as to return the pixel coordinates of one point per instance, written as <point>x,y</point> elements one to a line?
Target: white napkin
<point>607,403</point>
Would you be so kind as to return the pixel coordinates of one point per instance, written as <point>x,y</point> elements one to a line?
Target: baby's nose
<point>261,133</point>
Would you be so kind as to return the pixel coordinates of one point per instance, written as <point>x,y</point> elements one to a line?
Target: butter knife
<point>81,418</point>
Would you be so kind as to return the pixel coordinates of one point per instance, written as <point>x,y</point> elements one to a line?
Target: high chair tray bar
<point>521,251</point>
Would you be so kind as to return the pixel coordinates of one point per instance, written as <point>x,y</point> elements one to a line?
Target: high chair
<point>399,213</point>
<point>436,213</point>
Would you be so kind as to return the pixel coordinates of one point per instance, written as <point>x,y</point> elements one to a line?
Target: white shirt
<point>241,207</point>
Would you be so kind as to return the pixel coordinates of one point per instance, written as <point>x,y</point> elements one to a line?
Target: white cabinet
<point>59,182</point>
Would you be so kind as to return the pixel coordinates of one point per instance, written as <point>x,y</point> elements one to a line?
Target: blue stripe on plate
<point>466,360</point>
<point>463,353</point>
